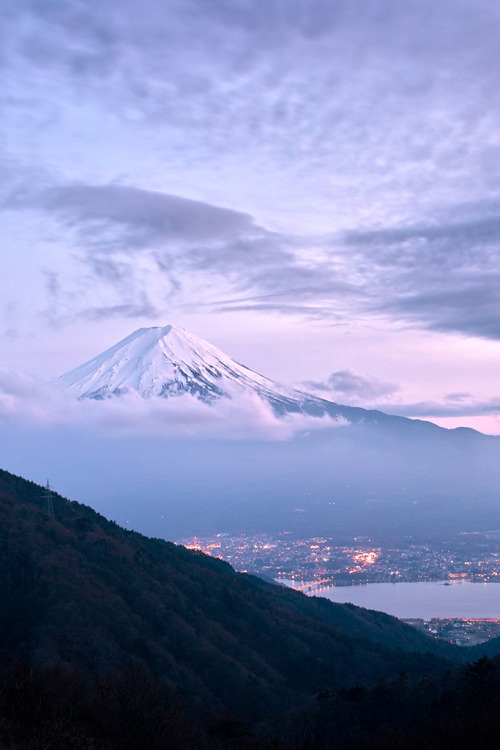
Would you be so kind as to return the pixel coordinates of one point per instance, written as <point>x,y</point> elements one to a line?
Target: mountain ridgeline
<point>113,640</point>
<point>79,589</point>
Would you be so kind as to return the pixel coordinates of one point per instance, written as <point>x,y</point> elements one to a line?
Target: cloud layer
<point>24,402</point>
<point>144,248</point>
<point>352,388</point>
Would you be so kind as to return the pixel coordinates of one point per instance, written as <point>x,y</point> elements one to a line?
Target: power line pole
<point>48,505</point>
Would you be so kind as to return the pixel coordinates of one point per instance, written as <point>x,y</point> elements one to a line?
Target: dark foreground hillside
<point>107,634</point>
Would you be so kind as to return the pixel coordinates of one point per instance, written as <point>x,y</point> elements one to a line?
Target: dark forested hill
<point>79,592</point>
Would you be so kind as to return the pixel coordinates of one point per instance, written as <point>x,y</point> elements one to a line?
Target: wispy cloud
<point>145,217</point>
<point>145,247</point>
<point>355,389</point>
<point>130,241</point>
<point>352,388</point>
<point>443,276</point>
<point>472,407</point>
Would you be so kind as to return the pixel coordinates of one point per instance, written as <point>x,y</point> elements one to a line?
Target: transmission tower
<point>48,505</point>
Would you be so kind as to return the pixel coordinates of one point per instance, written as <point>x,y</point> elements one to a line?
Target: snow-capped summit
<point>167,362</point>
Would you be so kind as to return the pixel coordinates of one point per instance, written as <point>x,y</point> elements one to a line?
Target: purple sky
<point>311,185</point>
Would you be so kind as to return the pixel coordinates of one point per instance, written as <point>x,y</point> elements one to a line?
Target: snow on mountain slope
<point>169,362</point>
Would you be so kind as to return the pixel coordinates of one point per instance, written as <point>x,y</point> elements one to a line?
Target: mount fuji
<point>169,361</point>
<point>165,361</point>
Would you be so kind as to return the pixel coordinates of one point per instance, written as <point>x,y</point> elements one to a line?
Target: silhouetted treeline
<point>458,710</point>
<point>130,709</point>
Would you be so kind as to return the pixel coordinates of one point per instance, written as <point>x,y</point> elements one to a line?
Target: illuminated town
<point>310,563</point>
<point>471,557</point>
<point>460,631</point>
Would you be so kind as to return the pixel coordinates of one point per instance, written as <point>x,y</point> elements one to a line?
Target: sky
<point>312,186</point>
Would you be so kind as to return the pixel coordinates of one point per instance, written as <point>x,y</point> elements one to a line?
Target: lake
<point>425,599</point>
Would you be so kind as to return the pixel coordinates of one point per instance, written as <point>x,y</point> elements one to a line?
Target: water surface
<point>425,599</point>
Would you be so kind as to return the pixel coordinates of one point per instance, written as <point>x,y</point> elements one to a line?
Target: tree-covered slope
<point>80,591</point>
